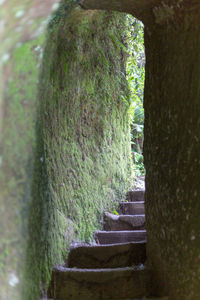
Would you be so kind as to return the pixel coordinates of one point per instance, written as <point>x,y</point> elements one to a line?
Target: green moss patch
<point>83,158</point>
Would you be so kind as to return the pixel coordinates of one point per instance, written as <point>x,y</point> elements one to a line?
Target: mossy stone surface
<point>58,178</point>
<point>83,158</point>
<point>22,26</point>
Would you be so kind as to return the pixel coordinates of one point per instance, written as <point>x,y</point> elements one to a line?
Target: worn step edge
<point>110,237</point>
<point>90,284</point>
<point>131,208</point>
<point>135,195</point>
<point>116,217</point>
<point>132,202</point>
<point>94,245</point>
<point>107,256</point>
<point>123,222</point>
<point>79,273</point>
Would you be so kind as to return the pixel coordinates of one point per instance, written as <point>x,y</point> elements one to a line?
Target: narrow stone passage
<point>113,268</point>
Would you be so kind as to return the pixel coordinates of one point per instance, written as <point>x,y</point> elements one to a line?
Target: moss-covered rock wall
<point>58,178</point>
<point>18,139</point>
<point>83,159</point>
<point>22,27</point>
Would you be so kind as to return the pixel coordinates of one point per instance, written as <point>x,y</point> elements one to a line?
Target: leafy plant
<point>135,76</point>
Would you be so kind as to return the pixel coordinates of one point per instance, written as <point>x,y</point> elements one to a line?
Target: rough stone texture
<point>123,222</point>
<point>139,183</point>
<point>144,298</point>
<point>135,196</point>
<point>151,298</point>
<point>83,157</point>
<point>132,208</point>
<point>22,28</point>
<point>171,151</point>
<point>113,237</point>
<point>107,256</point>
<point>90,48</point>
<point>140,9</point>
<point>157,298</point>
<point>106,284</point>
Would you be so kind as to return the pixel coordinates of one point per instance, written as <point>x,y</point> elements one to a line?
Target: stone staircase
<point>113,268</point>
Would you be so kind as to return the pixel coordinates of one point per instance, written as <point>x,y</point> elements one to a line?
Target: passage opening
<point>135,70</point>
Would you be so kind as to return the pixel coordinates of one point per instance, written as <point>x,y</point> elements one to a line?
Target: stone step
<point>131,208</point>
<point>107,256</point>
<point>135,196</point>
<point>97,284</point>
<point>123,222</point>
<point>118,237</point>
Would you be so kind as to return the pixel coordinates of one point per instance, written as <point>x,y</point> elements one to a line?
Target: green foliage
<point>135,77</point>
<point>139,164</point>
<point>114,212</point>
<point>136,60</point>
